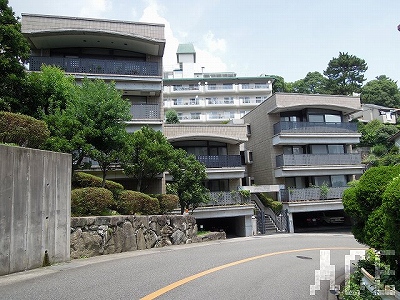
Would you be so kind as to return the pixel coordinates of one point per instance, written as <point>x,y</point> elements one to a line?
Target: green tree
<point>46,91</point>
<point>279,85</point>
<point>188,180</point>
<point>313,83</point>
<point>376,133</point>
<point>14,51</point>
<point>171,117</point>
<point>92,125</point>
<point>345,74</point>
<point>381,91</point>
<point>148,154</point>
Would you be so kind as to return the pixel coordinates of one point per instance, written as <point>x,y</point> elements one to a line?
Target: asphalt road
<point>263,267</point>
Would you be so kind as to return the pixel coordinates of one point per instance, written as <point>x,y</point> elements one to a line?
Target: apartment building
<point>370,112</point>
<point>128,53</point>
<point>303,143</point>
<point>210,98</point>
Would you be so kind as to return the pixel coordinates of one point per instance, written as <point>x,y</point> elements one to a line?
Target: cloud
<point>213,44</point>
<point>204,57</point>
<point>95,8</point>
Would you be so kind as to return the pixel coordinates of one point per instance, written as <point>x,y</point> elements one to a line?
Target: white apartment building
<point>210,98</point>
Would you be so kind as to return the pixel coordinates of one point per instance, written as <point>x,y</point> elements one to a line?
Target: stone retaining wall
<point>91,236</point>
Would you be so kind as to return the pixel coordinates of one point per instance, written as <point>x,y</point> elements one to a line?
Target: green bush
<point>276,206</point>
<point>22,130</point>
<point>82,180</point>
<point>132,202</point>
<point>168,202</point>
<point>90,201</point>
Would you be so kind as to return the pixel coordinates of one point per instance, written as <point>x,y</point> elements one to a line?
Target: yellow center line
<point>235,263</point>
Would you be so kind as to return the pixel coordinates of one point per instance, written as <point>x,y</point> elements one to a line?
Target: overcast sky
<point>288,38</point>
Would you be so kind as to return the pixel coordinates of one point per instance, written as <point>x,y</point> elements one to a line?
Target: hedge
<point>168,202</point>
<point>22,130</point>
<point>90,201</point>
<point>83,180</point>
<point>132,202</point>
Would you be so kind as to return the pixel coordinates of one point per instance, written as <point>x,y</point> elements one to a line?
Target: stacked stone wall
<point>92,236</point>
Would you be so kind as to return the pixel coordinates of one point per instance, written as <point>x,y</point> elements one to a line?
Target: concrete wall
<point>35,200</point>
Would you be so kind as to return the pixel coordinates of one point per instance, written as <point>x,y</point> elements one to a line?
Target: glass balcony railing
<point>314,127</point>
<point>312,194</point>
<point>145,112</point>
<point>220,161</point>
<point>318,159</point>
<point>97,66</point>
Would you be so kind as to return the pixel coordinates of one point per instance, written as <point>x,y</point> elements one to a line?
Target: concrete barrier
<point>35,208</point>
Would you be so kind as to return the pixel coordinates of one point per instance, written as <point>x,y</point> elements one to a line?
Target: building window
<point>245,86</point>
<point>227,86</point>
<point>248,127</point>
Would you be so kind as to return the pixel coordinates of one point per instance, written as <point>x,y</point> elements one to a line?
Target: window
<point>338,180</point>
<point>227,86</point>
<point>195,116</point>
<point>245,86</point>
<point>316,118</point>
<point>322,180</point>
<point>333,118</point>
<point>245,99</point>
<point>248,127</point>
<point>335,149</point>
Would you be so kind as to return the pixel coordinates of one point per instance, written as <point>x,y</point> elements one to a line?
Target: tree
<point>376,133</point>
<point>46,91</point>
<point>148,154</point>
<point>92,125</point>
<point>14,51</point>
<point>381,91</point>
<point>279,85</point>
<point>188,177</point>
<point>345,74</point>
<point>171,117</point>
<point>313,83</point>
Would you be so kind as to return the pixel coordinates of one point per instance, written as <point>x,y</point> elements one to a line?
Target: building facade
<point>211,98</point>
<point>127,53</point>
<point>303,143</point>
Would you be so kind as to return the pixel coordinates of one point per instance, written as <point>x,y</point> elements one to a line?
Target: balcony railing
<point>312,194</point>
<point>314,127</point>
<point>220,161</point>
<point>145,112</point>
<point>318,159</point>
<point>226,198</point>
<point>97,66</point>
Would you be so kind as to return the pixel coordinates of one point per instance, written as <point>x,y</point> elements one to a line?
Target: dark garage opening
<point>329,220</point>
<point>231,225</point>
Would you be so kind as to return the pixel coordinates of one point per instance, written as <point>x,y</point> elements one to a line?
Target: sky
<point>288,38</point>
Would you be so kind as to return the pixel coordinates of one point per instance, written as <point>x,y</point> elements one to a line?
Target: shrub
<point>276,206</point>
<point>82,180</point>
<point>132,202</point>
<point>168,202</point>
<point>90,201</point>
<point>22,130</point>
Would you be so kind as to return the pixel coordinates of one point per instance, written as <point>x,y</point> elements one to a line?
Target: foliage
<point>168,202</point>
<point>92,124</point>
<point>381,91</point>
<point>279,85</point>
<point>82,180</point>
<point>364,201</point>
<point>376,133</point>
<point>188,175</point>
<point>171,117</point>
<point>47,91</point>
<point>148,154</point>
<point>345,74</point>
<point>133,202</point>
<point>22,130</point>
<point>276,206</point>
<point>14,51</point>
<point>90,201</point>
<point>313,83</point>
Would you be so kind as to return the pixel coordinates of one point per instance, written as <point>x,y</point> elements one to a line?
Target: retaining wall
<point>91,236</point>
<point>35,201</point>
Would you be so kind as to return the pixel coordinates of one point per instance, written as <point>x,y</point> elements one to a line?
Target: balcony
<point>311,194</point>
<point>226,198</point>
<point>145,112</point>
<point>220,161</point>
<point>97,66</point>
<point>318,159</point>
<point>314,127</point>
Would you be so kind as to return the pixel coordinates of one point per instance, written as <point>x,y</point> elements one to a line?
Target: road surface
<point>280,266</point>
